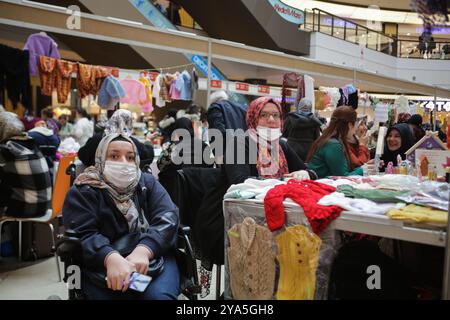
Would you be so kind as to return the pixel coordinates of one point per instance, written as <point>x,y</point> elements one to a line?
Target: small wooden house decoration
<point>430,141</point>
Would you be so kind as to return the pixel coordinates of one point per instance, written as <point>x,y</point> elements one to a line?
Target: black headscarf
<point>185,123</point>
<point>407,142</point>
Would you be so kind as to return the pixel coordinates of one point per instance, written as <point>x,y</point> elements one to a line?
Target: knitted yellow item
<point>251,260</point>
<point>298,255</point>
<point>147,86</point>
<point>419,214</point>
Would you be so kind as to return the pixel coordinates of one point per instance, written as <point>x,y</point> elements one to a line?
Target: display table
<point>377,225</point>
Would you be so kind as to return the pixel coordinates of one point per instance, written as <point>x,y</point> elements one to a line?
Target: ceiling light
<point>408,34</point>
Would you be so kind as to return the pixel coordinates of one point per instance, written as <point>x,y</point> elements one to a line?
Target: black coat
<point>87,153</point>
<point>301,129</point>
<point>238,173</point>
<point>93,215</point>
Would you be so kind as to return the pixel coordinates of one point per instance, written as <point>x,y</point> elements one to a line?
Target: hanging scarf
<point>271,161</point>
<point>122,198</point>
<point>48,76</point>
<point>296,80</point>
<point>64,77</point>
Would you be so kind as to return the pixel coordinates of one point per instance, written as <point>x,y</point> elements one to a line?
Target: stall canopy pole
<point>208,85</point>
<point>435,110</point>
<point>446,284</point>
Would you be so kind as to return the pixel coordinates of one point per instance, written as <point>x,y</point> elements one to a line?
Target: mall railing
<point>332,25</point>
<point>437,50</point>
<point>327,23</point>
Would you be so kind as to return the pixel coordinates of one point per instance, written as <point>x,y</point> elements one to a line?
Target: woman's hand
<point>298,175</point>
<point>364,140</point>
<point>140,257</point>
<point>118,272</point>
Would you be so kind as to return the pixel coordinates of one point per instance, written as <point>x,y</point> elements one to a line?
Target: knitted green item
<point>371,194</point>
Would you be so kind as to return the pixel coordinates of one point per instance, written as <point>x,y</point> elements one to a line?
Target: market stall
<point>249,228</point>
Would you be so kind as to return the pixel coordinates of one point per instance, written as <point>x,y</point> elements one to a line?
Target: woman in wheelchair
<point>127,224</point>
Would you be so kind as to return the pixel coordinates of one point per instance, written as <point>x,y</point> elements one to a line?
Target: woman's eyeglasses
<point>267,115</point>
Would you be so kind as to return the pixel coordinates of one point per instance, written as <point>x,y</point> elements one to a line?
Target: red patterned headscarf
<point>271,162</point>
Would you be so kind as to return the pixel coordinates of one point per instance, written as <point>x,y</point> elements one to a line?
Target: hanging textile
<point>165,82</point>
<point>298,256</point>
<point>194,84</point>
<point>184,85</point>
<point>85,79</point>
<point>174,91</point>
<point>292,80</point>
<point>40,44</point>
<point>110,93</point>
<point>63,79</point>
<point>147,107</point>
<point>89,79</point>
<point>251,260</point>
<point>135,93</point>
<point>309,90</point>
<point>15,77</point>
<point>159,101</point>
<point>47,68</point>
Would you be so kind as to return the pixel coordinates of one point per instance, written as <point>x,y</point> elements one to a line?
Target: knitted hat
<point>110,93</point>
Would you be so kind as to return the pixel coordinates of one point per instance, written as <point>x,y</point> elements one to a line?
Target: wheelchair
<point>68,248</point>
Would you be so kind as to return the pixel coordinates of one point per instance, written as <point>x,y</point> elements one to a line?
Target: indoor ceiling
<point>362,11</point>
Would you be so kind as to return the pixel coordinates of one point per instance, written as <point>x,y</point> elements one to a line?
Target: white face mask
<point>268,134</point>
<point>120,174</point>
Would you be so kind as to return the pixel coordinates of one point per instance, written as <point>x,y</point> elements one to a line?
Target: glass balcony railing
<point>327,23</point>
<point>422,50</point>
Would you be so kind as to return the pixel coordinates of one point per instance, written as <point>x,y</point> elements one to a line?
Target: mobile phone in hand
<point>139,282</point>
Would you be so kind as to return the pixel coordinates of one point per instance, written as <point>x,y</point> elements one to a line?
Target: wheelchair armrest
<point>184,230</point>
<point>68,247</point>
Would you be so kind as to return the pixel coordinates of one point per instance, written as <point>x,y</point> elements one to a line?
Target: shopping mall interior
<point>347,104</point>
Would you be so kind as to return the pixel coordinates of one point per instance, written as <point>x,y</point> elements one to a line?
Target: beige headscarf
<point>123,198</point>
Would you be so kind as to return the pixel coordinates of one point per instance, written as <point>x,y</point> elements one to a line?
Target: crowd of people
<point>117,196</point>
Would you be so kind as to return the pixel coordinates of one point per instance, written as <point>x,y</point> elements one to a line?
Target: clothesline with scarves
<point>40,56</point>
<point>320,99</point>
<point>104,82</point>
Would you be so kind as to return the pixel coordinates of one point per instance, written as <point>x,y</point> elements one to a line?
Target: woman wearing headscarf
<point>398,140</point>
<point>259,154</point>
<point>273,157</point>
<point>113,200</point>
<point>120,121</point>
<point>302,128</point>
<point>330,154</point>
